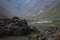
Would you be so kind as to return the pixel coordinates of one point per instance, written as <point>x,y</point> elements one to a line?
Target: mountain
<point>52,13</point>
<point>38,9</point>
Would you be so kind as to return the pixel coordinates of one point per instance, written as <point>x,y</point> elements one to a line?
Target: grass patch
<point>48,24</point>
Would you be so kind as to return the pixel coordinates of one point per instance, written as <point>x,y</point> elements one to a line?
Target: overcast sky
<point>25,8</point>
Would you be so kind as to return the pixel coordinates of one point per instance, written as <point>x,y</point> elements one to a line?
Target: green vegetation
<point>48,24</point>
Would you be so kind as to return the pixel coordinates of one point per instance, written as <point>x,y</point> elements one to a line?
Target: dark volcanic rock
<point>14,26</point>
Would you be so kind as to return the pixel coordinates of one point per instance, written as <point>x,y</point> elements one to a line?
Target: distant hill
<point>52,13</point>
